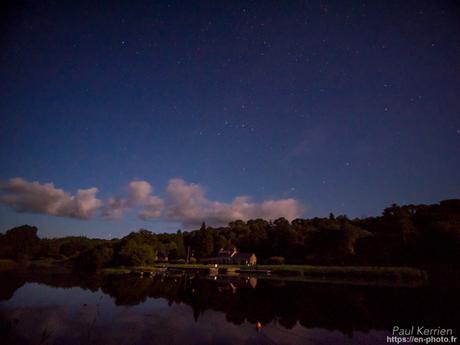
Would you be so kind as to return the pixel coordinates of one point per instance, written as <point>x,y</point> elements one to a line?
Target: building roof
<point>243,255</point>
<point>225,253</point>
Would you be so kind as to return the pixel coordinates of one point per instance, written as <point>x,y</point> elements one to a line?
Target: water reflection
<point>188,309</point>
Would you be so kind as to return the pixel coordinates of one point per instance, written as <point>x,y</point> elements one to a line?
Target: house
<point>162,257</point>
<point>244,259</point>
<point>231,257</point>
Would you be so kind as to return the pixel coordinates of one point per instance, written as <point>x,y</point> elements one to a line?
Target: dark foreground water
<point>62,308</point>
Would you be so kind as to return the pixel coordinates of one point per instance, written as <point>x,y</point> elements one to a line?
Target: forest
<point>412,235</point>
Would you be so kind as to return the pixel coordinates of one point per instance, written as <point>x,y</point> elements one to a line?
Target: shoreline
<point>398,276</point>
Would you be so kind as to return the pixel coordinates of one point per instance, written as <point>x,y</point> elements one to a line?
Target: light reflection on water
<point>182,310</point>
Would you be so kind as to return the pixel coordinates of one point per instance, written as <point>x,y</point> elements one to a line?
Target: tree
<point>74,245</point>
<point>398,221</point>
<point>20,243</point>
<point>220,242</point>
<point>132,253</point>
<point>205,242</point>
<point>50,248</point>
<point>282,238</point>
<point>95,258</point>
<point>180,244</point>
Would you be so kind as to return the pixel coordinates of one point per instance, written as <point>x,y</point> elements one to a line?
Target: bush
<point>95,258</point>
<point>275,260</point>
<point>192,260</point>
<point>136,254</point>
<point>178,261</point>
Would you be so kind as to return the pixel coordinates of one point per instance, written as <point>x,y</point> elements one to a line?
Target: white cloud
<point>152,208</point>
<point>184,202</point>
<point>24,196</point>
<point>188,204</point>
<point>138,195</point>
<point>139,191</point>
<point>114,208</point>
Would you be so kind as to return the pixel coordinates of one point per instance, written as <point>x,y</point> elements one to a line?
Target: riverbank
<point>294,272</point>
<point>361,275</point>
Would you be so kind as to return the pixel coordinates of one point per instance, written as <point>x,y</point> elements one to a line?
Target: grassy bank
<point>363,272</point>
<point>288,272</point>
<point>302,268</point>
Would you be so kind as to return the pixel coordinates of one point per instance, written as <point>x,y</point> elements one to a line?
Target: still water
<point>189,309</point>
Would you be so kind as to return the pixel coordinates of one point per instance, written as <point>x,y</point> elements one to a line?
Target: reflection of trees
<point>10,283</point>
<point>334,307</point>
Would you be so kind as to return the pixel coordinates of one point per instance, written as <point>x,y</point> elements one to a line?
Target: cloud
<point>24,196</point>
<point>188,204</point>
<point>184,202</point>
<point>139,191</point>
<point>138,194</point>
<point>152,208</point>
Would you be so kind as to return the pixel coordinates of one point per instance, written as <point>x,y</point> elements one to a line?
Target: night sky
<point>117,116</point>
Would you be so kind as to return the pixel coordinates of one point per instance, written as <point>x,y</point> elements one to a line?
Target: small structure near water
<point>162,257</point>
<point>231,257</point>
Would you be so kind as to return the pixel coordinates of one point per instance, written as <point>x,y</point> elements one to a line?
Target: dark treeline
<point>402,235</point>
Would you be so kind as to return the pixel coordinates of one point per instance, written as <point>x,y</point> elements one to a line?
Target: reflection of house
<point>235,284</point>
<point>231,257</point>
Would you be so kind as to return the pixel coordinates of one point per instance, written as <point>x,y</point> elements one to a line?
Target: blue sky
<point>344,108</point>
